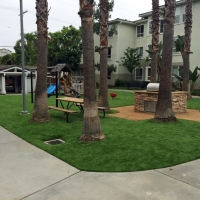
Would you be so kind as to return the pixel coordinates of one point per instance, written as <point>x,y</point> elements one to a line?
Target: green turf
<point>122,98</point>
<point>129,145</point>
<point>194,103</point>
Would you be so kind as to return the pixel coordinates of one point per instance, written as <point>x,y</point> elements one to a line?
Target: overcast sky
<point>62,13</point>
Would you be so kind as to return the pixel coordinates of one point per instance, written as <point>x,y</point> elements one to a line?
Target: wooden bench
<point>67,112</point>
<point>99,108</point>
<point>103,109</point>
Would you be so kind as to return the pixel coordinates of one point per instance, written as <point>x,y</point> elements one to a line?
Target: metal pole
<point>22,57</point>
<point>31,87</point>
<point>56,88</point>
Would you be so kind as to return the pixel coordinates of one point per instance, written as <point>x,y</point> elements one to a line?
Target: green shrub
<point>137,84</point>
<point>195,92</point>
<point>120,83</point>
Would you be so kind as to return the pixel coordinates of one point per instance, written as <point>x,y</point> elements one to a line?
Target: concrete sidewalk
<point>27,172</point>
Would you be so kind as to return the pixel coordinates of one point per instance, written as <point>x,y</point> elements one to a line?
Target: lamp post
<point>24,111</point>
<point>56,69</point>
<point>32,70</point>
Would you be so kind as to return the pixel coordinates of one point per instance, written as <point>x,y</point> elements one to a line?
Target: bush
<point>137,84</point>
<point>120,83</point>
<point>195,92</point>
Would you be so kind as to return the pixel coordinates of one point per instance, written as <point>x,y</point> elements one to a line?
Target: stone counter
<point>146,101</point>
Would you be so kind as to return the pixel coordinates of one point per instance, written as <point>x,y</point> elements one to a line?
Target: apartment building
<point>4,52</point>
<point>137,34</point>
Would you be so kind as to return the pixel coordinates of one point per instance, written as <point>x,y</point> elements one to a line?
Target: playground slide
<point>51,89</point>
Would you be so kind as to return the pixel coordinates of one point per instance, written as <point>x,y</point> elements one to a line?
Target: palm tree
<point>103,86</point>
<point>91,129</point>
<point>40,111</point>
<point>164,112</point>
<point>187,41</point>
<point>155,39</point>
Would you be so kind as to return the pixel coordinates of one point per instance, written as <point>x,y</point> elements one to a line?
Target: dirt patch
<point>128,112</point>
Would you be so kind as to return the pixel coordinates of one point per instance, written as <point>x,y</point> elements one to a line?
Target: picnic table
<point>70,102</point>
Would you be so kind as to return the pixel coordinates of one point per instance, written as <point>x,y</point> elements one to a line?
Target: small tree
<point>65,46</point>
<point>30,49</point>
<point>131,60</point>
<point>8,59</point>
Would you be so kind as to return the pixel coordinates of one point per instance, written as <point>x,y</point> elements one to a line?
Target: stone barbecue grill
<point>145,101</point>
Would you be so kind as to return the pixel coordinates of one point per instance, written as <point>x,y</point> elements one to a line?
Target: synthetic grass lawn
<point>194,103</point>
<point>129,145</point>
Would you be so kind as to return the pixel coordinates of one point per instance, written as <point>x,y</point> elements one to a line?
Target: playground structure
<point>65,82</point>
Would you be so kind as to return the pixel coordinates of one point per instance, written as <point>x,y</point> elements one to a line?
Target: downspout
<point>118,34</point>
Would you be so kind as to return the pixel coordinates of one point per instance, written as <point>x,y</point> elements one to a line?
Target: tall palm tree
<point>91,129</point>
<point>187,41</point>
<point>155,39</point>
<point>164,112</point>
<point>103,86</point>
<point>40,111</point>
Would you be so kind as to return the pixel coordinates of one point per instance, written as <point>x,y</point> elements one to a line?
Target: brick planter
<point>146,101</point>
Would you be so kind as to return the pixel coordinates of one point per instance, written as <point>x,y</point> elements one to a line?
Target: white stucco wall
<point>127,37</point>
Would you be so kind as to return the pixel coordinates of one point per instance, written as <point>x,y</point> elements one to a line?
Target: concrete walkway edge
<point>30,173</point>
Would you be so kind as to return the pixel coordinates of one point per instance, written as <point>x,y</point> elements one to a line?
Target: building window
<point>110,31</point>
<point>140,31</point>
<point>161,26</point>
<point>150,27</point>
<point>174,44</point>
<point>138,74</point>
<point>109,52</point>
<point>148,73</point>
<point>177,15</point>
<point>177,70</point>
<point>183,10</point>
<point>140,51</point>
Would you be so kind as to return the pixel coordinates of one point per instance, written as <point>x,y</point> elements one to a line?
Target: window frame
<point>140,34</point>
<point>148,76</point>
<point>140,76</point>
<point>161,27</point>
<point>139,51</point>
<point>183,13</point>
<point>174,79</point>
<point>109,52</point>
<point>177,15</point>
<point>150,27</point>
<point>110,33</point>
<point>174,45</point>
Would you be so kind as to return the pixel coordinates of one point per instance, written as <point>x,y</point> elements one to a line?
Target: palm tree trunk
<point>155,40</point>
<point>91,129</point>
<point>187,42</point>
<point>103,86</point>
<point>40,111</point>
<point>164,112</point>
